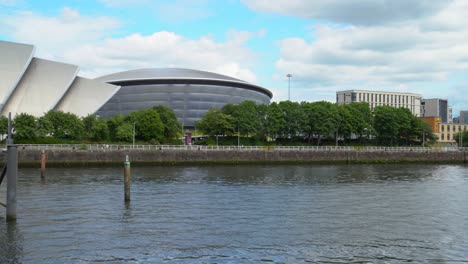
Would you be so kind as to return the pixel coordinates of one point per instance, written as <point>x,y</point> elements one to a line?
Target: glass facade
<point>189,101</point>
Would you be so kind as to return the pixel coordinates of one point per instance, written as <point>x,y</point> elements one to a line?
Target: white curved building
<point>35,86</point>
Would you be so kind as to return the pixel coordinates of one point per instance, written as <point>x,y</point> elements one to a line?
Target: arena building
<point>190,93</point>
<point>35,86</point>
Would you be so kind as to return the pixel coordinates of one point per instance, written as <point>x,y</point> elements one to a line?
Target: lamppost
<point>289,86</point>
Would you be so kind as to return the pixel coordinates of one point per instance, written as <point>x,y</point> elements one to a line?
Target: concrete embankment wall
<point>83,157</point>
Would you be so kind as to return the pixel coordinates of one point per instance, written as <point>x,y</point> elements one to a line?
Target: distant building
<point>448,132</point>
<point>435,107</point>
<point>450,115</point>
<point>433,122</point>
<point>456,120</point>
<point>463,117</point>
<point>375,98</point>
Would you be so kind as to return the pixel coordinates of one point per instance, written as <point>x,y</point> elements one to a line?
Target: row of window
<point>452,128</point>
<point>383,98</point>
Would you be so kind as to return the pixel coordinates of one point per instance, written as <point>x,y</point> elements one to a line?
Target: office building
<point>378,98</point>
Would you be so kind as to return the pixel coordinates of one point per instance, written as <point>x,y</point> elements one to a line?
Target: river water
<point>241,214</point>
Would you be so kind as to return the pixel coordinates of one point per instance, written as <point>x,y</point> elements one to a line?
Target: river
<point>241,214</point>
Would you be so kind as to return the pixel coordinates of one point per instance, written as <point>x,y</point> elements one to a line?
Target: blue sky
<point>396,45</point>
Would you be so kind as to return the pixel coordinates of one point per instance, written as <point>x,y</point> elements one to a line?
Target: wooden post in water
<point>12,171</point>
<point>43,163</point>
<point>127,178</point>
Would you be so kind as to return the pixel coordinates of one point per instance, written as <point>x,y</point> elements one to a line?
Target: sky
<point>416,46</point>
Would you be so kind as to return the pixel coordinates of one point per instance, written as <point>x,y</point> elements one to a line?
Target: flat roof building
<point>436,107</point>
<point>379,98</point>
<point>463,119</point>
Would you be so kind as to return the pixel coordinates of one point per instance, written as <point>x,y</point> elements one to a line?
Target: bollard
<point>43,163</point>
<point>127,178</point>
<point>12,171</point>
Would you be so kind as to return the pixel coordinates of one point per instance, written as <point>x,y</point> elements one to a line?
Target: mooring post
<point>127,178</point>
<point>12,171</point>
<point>43,163</point>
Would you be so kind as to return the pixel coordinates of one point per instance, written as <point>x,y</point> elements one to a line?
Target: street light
<point>289,86</point>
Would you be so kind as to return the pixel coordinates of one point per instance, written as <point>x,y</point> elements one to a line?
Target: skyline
<point>327,46</point>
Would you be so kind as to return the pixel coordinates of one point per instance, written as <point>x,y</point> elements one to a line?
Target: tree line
<point>155,125</point>
<point>313,122</point>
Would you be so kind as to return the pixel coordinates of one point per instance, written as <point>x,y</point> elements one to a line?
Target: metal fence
<point>111,147</point>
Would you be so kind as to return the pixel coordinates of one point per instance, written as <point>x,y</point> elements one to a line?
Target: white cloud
<point>416,56</point>
<point>85,41</point>
<point>359,12</point>
<point>55,35</point>
<point>165,49</point>
<point>8,2</point>
<point>124,3</point>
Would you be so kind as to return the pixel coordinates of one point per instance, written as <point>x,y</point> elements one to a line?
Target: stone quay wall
<point>199,156</point>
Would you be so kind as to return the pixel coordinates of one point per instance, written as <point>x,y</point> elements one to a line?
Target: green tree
<point>25,126</point>
<point>321,119</point>
<point>3,125</point>
<point>215,122</point>
<point>64,125</point>
<point>172,126</point>
<point>113,123</point>
<point>99,130</point>
<point>293,119</point>
<point>362,121</point>
<point>95,128</point>
<point>148,125</point>
<point>248,120</point>
<point>464,138</point>
<point>124,132</point>
<point>275,120</point>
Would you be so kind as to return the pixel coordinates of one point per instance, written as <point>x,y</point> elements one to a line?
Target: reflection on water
<point>241,214</point>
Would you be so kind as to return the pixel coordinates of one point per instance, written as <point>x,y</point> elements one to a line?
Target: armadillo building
<point>190,93</point>
<point>35,86</point>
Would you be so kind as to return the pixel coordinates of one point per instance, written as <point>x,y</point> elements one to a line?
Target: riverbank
<point>108,157</point>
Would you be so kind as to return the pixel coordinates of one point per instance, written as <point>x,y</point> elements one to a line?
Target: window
<point>442,136</point>
<point>448,136</point>
<point>442,128</point>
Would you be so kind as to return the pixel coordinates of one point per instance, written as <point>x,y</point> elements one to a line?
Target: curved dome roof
<point>164,73</point>
<point>158,74</point>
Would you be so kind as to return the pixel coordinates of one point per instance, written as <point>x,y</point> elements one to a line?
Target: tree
<point>113,123</point>
<point>247,119</point>
<point>3,126</point>
<point>293,117</point>
<point>63,125</point>
<point>99,130</point>
<point>321,119</point>
<point>124,132</point>
<point>362,122</point>
<point>386,124</point>
<point>274,120</point>
<point>148,124</point>
<point>215,122</point>
<point>172,126</point>
<point>25,126</point>
<point>464,138</point>
<point>95,128</point>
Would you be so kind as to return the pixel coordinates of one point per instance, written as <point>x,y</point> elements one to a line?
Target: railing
<point>111,147</point>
